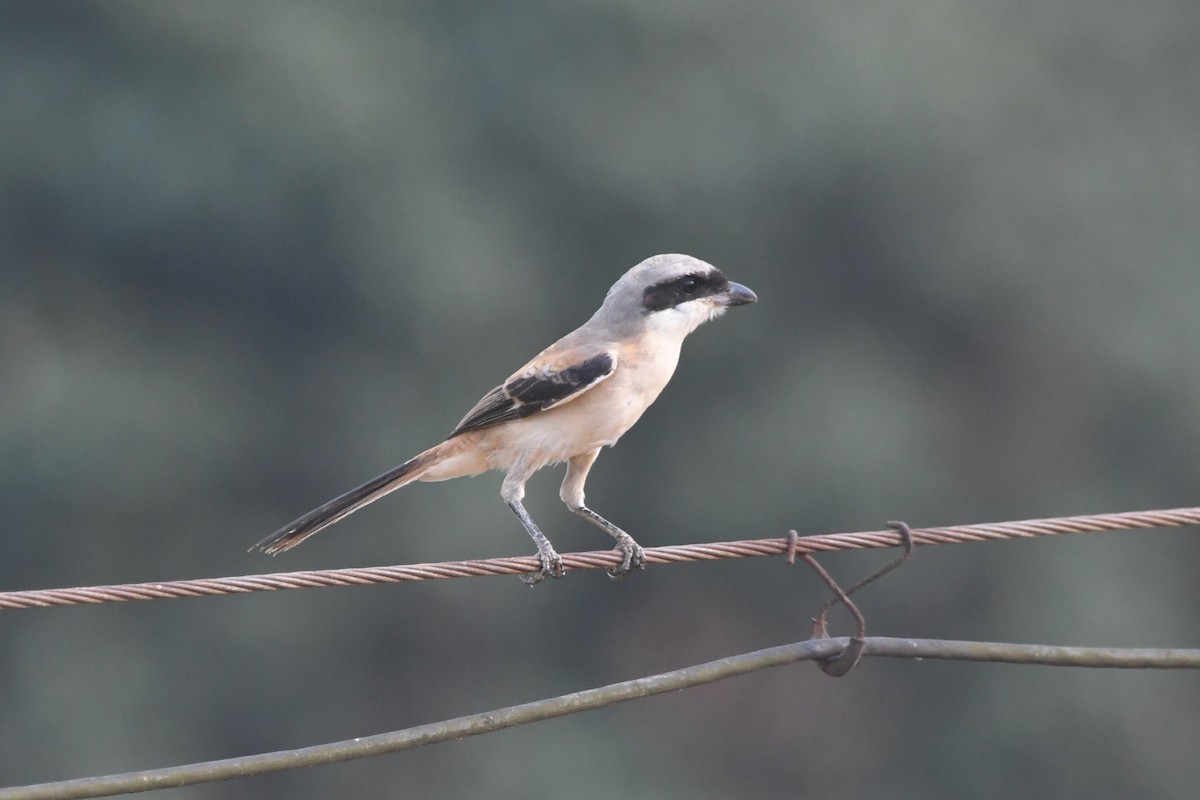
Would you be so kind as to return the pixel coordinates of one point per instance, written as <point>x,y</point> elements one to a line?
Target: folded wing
<point>540,386</point>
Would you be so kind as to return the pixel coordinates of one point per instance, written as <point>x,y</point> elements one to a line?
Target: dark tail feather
<point>318,519</point>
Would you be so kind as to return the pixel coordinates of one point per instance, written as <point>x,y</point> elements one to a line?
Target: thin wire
<point>596,559</point>
<point>588,699</point>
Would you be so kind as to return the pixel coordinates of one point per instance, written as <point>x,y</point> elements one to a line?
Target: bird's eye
<point>690,285</point>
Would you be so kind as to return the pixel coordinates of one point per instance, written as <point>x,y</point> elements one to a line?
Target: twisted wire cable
<point>596,559</point>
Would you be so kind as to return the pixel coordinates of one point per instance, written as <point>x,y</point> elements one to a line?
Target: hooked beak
<point>736,295</point>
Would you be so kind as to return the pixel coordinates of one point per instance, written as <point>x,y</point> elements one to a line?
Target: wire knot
<point>838,665</point>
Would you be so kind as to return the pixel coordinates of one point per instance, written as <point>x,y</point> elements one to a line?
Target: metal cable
<point>596,559</point>
<point>600,697</point>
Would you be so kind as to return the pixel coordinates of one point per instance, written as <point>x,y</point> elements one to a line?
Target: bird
<point>574,398</point>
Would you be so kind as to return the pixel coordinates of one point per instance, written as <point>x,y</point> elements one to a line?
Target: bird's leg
<point>551,560</point>
<point>635,557</point>
<point>513,492</point>
<point>572,494</point>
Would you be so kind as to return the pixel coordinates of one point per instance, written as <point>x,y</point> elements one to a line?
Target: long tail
<point>321,518</point>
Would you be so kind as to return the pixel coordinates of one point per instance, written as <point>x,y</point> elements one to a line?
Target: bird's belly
<point>595,419</point>
<point>558,434</point>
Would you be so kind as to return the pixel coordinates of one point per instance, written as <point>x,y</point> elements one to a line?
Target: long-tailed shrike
<point>576,396</point>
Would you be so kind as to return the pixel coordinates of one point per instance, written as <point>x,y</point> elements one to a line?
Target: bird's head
<point>672,293</point>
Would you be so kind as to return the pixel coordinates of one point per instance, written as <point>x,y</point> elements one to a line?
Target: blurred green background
<point>253,254</point>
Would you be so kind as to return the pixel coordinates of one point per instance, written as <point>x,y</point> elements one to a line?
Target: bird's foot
<point>634,557</point>
<point>552,567</point>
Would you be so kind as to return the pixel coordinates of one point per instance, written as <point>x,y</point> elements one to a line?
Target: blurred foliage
<point>256,253</point>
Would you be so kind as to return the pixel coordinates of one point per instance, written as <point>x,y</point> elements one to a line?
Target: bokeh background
<point>253,254</point>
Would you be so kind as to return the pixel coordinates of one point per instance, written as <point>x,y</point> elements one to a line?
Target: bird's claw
<point>634,558</point>
<point>552,567</point>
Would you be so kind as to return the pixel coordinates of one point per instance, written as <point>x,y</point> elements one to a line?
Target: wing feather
<point>539,387</point>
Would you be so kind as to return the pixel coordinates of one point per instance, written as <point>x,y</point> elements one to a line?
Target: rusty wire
<point>596,559</point>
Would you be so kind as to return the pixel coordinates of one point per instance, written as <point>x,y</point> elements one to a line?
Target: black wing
<point>531,391</point>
